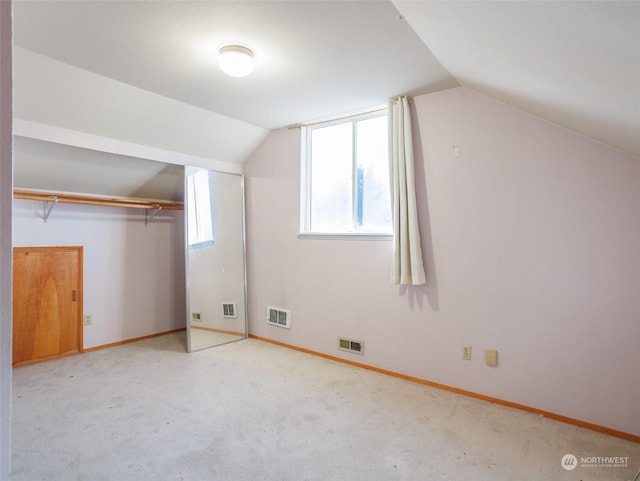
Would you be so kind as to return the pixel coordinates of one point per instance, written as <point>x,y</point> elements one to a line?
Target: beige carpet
<point>254,411</point>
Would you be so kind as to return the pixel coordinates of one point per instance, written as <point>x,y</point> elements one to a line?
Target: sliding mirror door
<point>215,258</point>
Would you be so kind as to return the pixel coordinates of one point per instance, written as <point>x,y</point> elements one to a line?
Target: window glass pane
<point>373,212</point>
<point>200,219</point>
<point>203,201</point>
<point>192,234</point>
<point>331,179</point>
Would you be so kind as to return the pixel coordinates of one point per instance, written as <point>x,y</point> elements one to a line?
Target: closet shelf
<point>95,200</point>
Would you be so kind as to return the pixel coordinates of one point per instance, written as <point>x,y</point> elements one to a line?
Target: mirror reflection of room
<point>215,258</point>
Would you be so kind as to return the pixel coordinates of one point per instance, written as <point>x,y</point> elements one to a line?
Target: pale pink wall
<point>532,243</point>
<point>133,274</point>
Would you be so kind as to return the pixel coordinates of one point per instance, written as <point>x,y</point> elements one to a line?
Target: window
<point>345,185</point>
<point>199,214</point>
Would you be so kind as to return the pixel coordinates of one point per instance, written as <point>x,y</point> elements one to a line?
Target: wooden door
<point>47,303</point>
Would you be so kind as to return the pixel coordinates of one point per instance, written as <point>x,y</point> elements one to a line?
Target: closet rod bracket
<point>147,218</point>
<point>46,209</point>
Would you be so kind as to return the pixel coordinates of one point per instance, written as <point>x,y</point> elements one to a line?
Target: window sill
<point>345,236</point>
<point>197,245</point>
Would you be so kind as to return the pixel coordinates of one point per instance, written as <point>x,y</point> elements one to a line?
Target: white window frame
<point>305,178</point>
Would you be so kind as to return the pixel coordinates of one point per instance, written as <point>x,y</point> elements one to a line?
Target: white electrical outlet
<point>88,320</point>
<point>466,353</point>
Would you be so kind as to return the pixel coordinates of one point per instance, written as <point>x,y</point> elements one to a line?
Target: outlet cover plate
<point>466,353</point>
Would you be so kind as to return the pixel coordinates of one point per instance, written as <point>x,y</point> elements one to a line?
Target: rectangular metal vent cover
<point>350,345</point>
<point>196,316</point>
<point>229,309</point>
<point>279,317</point>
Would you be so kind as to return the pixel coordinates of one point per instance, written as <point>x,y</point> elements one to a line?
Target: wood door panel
<point>46,302</point>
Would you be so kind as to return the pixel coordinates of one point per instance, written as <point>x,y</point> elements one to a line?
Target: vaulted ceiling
<point>573,63</point>
<point>314,58</point>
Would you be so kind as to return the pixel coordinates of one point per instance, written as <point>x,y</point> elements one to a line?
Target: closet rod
<point>95,200</point>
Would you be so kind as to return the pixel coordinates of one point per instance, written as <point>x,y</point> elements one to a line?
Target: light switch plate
<point>491,357</point>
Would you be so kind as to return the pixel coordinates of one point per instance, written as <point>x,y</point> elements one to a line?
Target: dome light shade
<point>236,61</point>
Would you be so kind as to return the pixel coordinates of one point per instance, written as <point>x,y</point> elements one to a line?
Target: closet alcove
<point>151,195</point>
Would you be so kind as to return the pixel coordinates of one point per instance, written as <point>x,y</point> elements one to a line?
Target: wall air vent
<point>279,317</point>
<point>229,309</point>
<point>350,345</point>
<point>196,316</point>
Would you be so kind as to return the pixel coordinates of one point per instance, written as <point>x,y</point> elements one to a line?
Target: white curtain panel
<point>408,267</point>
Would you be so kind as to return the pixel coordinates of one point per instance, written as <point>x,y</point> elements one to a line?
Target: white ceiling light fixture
<point>236,61</point>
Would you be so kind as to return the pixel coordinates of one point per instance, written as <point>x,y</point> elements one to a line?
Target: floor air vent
<point>350,345</point>
<point>279,317</point>
<point>229,309</point>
